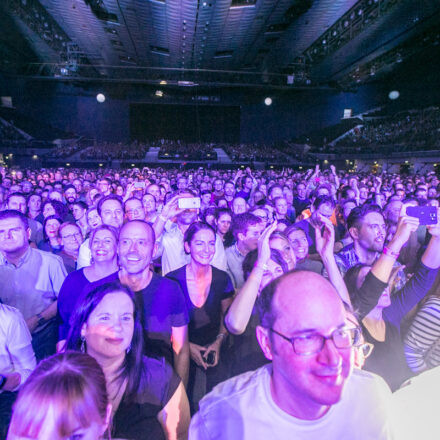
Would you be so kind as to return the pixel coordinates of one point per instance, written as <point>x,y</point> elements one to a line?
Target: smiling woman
<point>145,393</point>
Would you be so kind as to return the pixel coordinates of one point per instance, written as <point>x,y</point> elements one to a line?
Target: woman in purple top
<point>103,244</point>
<point>381,322</point>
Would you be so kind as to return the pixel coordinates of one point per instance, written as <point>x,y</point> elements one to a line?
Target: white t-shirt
<point>16,354</point>
<point>242,408</point>
<point>415,409</point>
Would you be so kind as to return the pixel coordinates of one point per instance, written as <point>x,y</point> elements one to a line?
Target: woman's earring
<point>128,349</point>
<point>83,344</point>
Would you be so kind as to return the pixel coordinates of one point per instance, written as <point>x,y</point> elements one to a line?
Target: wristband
<point>221,336</point>
<point>388,252</point>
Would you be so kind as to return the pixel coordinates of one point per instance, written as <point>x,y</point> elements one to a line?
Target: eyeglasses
<point>366,349</point>
<point>312,343</point>
<point>70,236</point>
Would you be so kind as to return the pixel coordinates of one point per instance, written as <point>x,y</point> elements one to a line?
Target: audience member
<point>145,393</point>
<point>309,387</point>
<point>31,281</point>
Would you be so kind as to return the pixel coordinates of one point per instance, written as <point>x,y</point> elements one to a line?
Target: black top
<point>162,307</point>
<point>388,358</point>
<point>137,420</point>
<point>205,321</point>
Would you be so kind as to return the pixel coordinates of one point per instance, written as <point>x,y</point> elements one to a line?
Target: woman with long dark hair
<point>148,399</point>
<point>208,292</point>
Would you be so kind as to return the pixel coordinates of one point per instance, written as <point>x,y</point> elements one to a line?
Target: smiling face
<point>103,246</point>
<point>284,246</point>
<point>135,247</point>
<point>305,304</point>
<point>109,328</point>
<point>202,247</point>
<point>52,227</point>
<point>299,243</point>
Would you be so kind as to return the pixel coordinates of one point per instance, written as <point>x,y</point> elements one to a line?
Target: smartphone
<point>210,359</point>
<point>139,185</point>
<point>426,214</point>
<point>189,203</point>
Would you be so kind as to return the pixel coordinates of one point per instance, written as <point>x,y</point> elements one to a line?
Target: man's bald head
<point>305,289</point>
<point>139,223</point>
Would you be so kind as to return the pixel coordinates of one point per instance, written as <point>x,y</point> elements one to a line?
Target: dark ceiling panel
<point>268,38</point>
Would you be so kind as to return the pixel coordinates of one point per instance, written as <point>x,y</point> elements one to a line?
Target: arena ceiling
<point>276,43</point>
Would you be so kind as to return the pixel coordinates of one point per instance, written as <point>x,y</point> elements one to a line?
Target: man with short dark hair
<point>367,228</point>
<point>246,229</point>
<point>310,391</point>
<point>18,202</point>
<point>161,301</point>
<point>30,281</point>
<point>70,194</point>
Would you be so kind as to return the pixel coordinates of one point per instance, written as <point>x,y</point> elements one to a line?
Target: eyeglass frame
<point>71,236</point>
<point>324,339</point>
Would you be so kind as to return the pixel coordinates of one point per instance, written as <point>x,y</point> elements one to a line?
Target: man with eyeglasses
<point>310,390</point>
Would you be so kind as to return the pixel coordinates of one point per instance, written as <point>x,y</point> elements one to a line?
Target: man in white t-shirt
<point>309,391</point>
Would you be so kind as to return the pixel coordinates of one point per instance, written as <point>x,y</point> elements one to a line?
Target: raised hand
<point>263,244</point>
<point>325,239</point>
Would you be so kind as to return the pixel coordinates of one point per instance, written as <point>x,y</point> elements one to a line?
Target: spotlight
<point>159,93</point>
<point>100,98</point>
<point>268,101</point>
<point>394,94</point>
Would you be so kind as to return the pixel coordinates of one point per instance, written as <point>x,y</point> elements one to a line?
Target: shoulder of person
<point>365,383</point>
<point>49,256</point>
<point>232,391</point>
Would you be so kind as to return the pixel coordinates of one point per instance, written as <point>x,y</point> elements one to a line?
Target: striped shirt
<point>422,342</point>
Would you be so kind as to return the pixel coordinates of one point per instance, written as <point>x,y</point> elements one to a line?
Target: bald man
<point>161,301</point>
<point>310,390</point>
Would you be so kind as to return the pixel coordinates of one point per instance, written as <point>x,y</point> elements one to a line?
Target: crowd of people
<point>227,304</point>
<point>180,150</point>
<point>115,150</point>
<point>255,152</point>
<point>415,130</point>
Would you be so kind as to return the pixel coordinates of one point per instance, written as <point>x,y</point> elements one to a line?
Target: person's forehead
<point>69,229</point>
<point>111,204</point>
<point>297,234</point>
<point>17,199</point>
<point>278,242</point>
<point>374,217</point>
<point>307,302</point>
<point>133,202</point>
<point>135,230</point>
<point>11,222</point>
